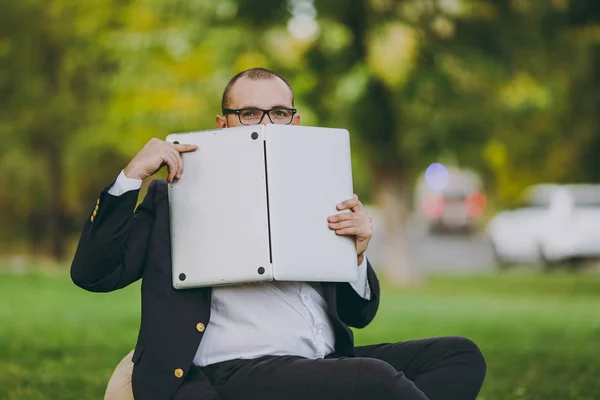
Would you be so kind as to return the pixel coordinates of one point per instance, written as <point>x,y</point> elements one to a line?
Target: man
<point>276,340</point>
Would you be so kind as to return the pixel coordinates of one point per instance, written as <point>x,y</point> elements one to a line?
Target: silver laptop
<point>252,205</point>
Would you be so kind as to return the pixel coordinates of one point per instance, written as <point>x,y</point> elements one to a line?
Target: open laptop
<point>252,205</point>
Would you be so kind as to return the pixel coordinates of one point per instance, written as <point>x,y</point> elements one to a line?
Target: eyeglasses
<point>254,116</point>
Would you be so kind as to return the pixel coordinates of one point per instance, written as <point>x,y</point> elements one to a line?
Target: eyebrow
<point>274,106</point>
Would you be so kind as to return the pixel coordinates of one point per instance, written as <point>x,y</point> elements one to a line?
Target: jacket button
<point>178,373</point>
<point>200,327</point>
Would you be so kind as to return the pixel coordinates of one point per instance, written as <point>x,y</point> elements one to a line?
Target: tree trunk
<point>36,231</point>
<point>55,176</point>
<point>391,197</point>
<point>50,146</point>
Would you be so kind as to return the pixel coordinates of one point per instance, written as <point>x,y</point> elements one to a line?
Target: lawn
<point>540,333</point>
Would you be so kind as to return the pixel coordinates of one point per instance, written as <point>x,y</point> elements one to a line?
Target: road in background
<point>444,254</point>
<point>449,254</point>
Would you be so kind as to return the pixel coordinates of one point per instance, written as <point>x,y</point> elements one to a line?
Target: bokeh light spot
<point>433,205</point>
<point>476,203</point>
<point>437,176</point>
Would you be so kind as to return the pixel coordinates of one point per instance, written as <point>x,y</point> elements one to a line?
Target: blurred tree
<point>53,66</point>
<point>537,64</point>
<point>390,87</point>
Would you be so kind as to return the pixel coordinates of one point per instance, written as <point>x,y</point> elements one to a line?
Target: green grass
<point>540,333</point>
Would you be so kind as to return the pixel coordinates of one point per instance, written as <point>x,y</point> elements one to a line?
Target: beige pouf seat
<point>119,385</point>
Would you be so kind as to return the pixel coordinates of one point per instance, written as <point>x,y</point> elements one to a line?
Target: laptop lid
<point>252,205</point>
<point>309,173</point>
<point>218,209</point>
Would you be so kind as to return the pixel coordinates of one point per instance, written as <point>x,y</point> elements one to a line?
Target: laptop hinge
<point>268,209</point>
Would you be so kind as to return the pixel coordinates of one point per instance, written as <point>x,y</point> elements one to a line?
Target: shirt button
<point>178,373</point>
<point>200,327</point>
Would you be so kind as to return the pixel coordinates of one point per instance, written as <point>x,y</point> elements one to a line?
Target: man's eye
<point>281,113</point>
<point>249,113</point>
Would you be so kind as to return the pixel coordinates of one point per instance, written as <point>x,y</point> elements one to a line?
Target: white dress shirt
<point>271,318</point>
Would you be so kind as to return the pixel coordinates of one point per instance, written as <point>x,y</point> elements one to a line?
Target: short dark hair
<point>254,74</point>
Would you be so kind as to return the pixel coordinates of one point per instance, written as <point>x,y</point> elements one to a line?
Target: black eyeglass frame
<point>227,111</point>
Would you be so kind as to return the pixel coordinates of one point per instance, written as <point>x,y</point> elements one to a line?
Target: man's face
<point>263,93</point>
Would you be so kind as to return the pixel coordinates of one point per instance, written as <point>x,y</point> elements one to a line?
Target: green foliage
<point>507,88</point>
<point>539,333</point>
<point>53,67</point>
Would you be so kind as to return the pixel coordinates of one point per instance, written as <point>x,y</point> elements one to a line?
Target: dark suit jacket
<point>118,247</point>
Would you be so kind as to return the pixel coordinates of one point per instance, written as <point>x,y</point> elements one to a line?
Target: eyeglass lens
<point>277,116</point>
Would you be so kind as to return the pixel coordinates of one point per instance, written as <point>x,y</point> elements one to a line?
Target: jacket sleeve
<point>112,249</point>
<point>352,308</point>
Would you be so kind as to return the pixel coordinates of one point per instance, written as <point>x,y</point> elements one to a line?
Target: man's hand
<point>154,155</point>
<point>356,223</point>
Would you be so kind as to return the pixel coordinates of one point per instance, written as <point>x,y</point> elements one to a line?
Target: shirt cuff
<point>123,184</point>
<point>361,285</point>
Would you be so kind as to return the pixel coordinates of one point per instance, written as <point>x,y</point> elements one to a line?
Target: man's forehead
<point>261,93</point>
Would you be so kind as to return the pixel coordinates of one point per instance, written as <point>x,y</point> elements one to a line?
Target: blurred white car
<point>560,224</point>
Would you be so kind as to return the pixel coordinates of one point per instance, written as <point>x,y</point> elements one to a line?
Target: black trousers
<point>444,368</point>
